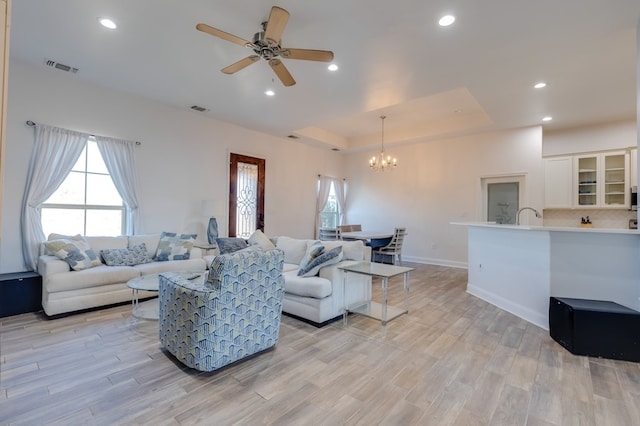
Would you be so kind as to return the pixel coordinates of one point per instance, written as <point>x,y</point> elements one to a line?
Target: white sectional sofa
<point>320,299</point>
<point>66,290</point>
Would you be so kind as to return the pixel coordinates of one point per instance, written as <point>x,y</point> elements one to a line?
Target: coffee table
<point>369,308</point>
<point>149,309</point>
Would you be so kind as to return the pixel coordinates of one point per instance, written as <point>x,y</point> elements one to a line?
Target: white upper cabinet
<point>596,180</point>
<point>558,182</point>
<point>602,180</point>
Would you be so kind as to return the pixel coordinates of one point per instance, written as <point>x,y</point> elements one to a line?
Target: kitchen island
<point>518,268</point>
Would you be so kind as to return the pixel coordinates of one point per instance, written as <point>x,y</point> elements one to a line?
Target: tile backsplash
<point>601,218</point>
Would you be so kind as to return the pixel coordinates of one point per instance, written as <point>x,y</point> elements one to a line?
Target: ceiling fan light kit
<point>266,45</point>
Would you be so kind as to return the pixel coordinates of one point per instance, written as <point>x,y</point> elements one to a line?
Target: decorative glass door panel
<point>587,181</point>
<point>246,195</point>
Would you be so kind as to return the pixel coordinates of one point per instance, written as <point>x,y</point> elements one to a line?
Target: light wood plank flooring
<point>454,360</point>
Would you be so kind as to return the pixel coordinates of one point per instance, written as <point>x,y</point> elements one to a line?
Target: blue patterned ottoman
<point>207,324</point>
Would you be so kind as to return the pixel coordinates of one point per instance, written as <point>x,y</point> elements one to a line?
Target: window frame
<point>88,207</point>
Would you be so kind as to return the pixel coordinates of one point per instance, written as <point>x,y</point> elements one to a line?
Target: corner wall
<point>438,182</point>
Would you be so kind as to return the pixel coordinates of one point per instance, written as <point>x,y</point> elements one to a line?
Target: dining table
<point>375,239</point>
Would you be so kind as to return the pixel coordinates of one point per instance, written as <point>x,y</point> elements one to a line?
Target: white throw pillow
<point>259,239</point>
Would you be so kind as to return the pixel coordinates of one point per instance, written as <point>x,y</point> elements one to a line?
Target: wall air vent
<point>198,108</point>
<point>59,66</point>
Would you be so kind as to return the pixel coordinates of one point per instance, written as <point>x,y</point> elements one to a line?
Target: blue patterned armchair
<point>207,324</point>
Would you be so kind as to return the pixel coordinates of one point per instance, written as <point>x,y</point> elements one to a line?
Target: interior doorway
<point>502,196</point>
<point>246,195</point>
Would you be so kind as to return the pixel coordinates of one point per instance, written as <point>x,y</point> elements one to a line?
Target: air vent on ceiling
<point>335,149</point>
<point>293,137</point>
<point>198,108</point>
<point>59,66</point>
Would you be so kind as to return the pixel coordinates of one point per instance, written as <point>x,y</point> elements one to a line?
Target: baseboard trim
<point>437,262</point>
<point>523,312</point>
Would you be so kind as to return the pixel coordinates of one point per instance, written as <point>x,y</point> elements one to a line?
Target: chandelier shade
<point>382,161</point>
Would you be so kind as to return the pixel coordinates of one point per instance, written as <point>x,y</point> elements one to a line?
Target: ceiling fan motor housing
<point>265,48</point>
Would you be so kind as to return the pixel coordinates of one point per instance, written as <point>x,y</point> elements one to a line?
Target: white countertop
<point>550,228</point>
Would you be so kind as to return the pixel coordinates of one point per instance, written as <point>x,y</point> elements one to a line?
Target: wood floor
<point>453,360</point>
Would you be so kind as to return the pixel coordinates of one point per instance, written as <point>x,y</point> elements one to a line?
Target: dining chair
<point>330,234</point>
<point>350,228</point>
<point>394,248</point>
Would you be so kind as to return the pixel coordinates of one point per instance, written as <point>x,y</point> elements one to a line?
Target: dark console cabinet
<point>20,292</point>
<point>595,328</point>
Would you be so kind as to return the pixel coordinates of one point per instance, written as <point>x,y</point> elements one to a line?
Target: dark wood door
<point>246,195</point>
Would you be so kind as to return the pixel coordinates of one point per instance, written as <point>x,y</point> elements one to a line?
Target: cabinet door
<point>615,179</point>
<point>586,189</point>
<point>558,182</point>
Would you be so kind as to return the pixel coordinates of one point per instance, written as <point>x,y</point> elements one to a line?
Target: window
<point>87,202</point>
<point>330,216</point>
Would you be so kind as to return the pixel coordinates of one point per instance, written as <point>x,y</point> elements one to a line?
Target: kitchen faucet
<point>526,208</point>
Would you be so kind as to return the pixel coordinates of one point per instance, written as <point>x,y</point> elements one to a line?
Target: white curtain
<point>119,157</point>
<point>324,188</point>
<point>338,186</point>
<point>54,153</point>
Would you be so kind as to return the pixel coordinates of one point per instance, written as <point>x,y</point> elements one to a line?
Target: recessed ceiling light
<point>332,67</point>
<point>269,92</point>
<point>107,23</point>
<point>540,85</point>
<point>447,20</point>
<point>547,118</point>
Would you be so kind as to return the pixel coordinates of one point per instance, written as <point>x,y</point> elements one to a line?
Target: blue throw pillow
<point>229,245</point>
<point>325,259</point>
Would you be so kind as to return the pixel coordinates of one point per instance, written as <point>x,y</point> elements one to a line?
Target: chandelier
<point>382,161</point>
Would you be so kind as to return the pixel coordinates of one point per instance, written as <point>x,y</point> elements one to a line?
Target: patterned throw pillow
<point>135,255</point>
<point>325,259</point>
<point>75,250</point>
<point>315,249</point>
<point>174,247</point>
<point>229,245</point>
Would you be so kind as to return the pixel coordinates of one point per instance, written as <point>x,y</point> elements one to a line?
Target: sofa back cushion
<point>106,243</point>
<point>151,241</point>
<point>293,248</point>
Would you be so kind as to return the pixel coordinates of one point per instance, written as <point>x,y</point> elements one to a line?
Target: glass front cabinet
<point>602,180</point>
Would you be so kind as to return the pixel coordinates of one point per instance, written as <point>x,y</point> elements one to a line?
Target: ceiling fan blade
<point>282,72</point>
<point>223,35</point>
<point>308,54</point>
<point>278,18</point>
<point>242,63</point>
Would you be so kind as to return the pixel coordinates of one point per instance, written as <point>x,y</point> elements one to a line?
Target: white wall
<point>600,137</point>
<point>182,160</point>
<point>438,182</point>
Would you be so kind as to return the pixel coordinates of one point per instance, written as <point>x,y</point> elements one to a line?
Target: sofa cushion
<point>314,250</point>
<point>174,247</point>
<point>76,251</point>
<point>93,277</point>
<point>294,249</point>
<point>127,256</point>
<point>326,258</point>
<point>259,239</point>
<point>173,266</point>
<point>289,267</point>
<point>315,287</point>
<point>230,244</point>
<point>150,240</point>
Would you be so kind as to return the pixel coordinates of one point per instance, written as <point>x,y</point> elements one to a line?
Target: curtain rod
<point>319,175</point>
<point>31,123</point>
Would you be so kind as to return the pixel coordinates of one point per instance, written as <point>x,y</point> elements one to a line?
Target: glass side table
<point>369,308</point>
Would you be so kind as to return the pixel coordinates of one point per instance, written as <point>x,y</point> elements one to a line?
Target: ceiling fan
<point>266,45</point>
